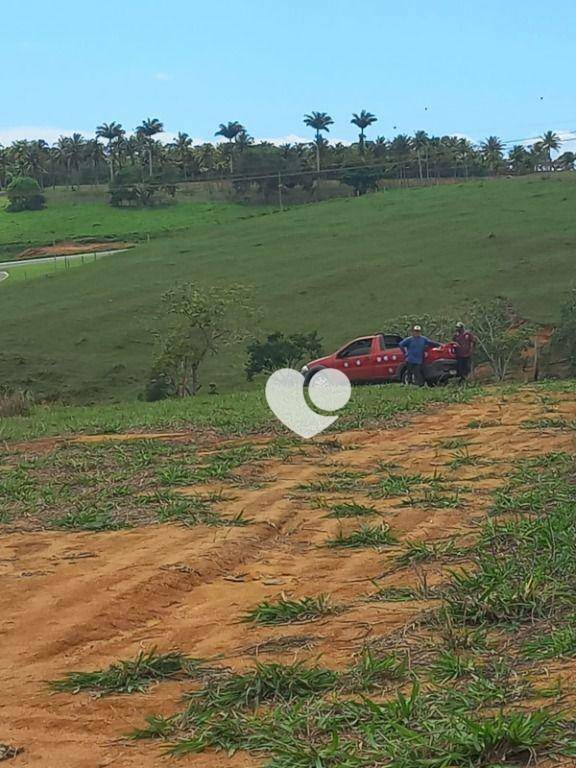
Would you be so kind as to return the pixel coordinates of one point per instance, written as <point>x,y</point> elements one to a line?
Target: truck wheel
<point>404,376</point>
<point>310,375</point>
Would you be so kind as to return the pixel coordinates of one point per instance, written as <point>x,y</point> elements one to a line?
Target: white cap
<point>417,328</point>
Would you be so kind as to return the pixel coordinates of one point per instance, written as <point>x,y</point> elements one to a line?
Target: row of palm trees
<point>74,160</point>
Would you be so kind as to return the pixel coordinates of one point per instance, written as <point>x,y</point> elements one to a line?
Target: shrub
<point>565,333</point>
<point>15,403</point>
<point>25,194</point>
<point>279,351</point>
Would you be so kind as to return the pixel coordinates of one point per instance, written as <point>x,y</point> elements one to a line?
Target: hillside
<point>341,267</point>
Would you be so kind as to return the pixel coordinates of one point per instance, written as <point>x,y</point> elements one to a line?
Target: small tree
<point>279,351</point>
<point>25,194</point>
<point>362,180</point>
<point>201,321</point>
<point>565,333</point>
<point>438,327</point>
<point>500,334</point>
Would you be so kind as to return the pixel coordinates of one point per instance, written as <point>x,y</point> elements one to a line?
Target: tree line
<point>75,160</point>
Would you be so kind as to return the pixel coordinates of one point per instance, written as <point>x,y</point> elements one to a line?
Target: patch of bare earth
<point>79,601</point>
<point>71,247</point>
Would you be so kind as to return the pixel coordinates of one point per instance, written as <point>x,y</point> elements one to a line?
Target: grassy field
<point>242,413</point>
<point>72,215</point>
<point>341,267</point>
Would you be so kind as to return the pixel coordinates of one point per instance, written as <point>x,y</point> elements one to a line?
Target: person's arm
<point>405,343</point>
<point>431,343</point>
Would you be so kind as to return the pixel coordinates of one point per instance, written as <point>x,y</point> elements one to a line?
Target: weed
<point>373,671</point>
<point>351,509</point>
<point>287,611</point>
<point>558,643</point>
<point>88,520</point>
<point>365,536</point>
<point>131,676</point>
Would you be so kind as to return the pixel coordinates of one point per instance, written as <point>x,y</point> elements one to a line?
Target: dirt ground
<point>79,601</point>
<point>69,248</point>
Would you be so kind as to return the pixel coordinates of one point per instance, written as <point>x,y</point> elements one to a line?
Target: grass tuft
<point>131,676</point>
<point>287,611</point>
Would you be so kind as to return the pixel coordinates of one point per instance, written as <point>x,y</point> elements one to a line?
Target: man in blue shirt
<point>414,347</point>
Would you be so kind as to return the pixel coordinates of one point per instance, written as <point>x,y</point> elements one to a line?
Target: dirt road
<point>82,600</point>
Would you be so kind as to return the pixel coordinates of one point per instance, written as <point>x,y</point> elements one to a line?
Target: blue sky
<point>504,68</point>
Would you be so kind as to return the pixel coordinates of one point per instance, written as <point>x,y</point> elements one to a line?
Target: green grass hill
<point>341,267</point>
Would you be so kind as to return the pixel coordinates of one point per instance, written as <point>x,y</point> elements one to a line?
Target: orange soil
<point>79,601</point>
<point>69,248</point>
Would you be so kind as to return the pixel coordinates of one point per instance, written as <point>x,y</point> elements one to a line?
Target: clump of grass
<point>265,683</point>
<point>463,458</point>
<point>394,485</point>
<point>337,481</point>
<point>422,551</point>
<point>454,443</point>
<point>372,670</point>
<point>394,595</point>
<point>451,666</point>
<point>365,536</point>
<point>88,520</point>
<point>483,423</point>
<point>548,423</point>
<point>351,509</point>
<point>287,611</point>
<point>557,644</point>
<point>131,676</point>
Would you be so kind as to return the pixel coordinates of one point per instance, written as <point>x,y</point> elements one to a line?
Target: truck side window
<point>389,340</point>
<point>357,348</point>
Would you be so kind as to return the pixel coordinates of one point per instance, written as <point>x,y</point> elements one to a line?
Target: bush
<point>159,387</point>
<point>25,194</point>
<point>565,334</point>
<point>16,403</point>
<point>362,180</point>
<point>279,351</point>
<point>129,188</point>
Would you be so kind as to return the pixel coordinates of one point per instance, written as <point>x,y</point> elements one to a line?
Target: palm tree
<point>566,161</point>
<point>182,149</point>
<point>492,152</point>
<point>231,131</point>
<point>363,120</point>
<point>420,144</point>
<point>400,149</point>
<point>380,147</point>
<point>520,159</point>
<point>147,130</point>
<point>464,153</point>
<point>94,153</point>
<point>113,133</point>
<point>320,121</point>
<point>550,142</point>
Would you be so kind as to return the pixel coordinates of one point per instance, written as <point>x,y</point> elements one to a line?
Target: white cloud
<point>162,76</point>
<point>33,133</point>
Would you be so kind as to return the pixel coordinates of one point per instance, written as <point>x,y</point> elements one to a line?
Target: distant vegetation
<point>265,168</point>
<point>24,194</point>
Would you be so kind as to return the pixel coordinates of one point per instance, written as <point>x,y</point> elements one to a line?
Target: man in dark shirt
<point>465,342</point>
<point>414,348</point>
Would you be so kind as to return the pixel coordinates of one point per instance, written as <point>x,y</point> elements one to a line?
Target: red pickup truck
<point>378,358</point>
